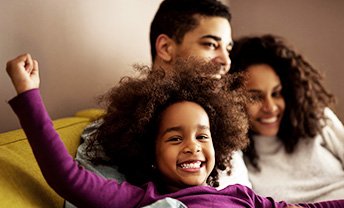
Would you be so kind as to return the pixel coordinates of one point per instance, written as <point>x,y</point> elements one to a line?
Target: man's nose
<point>222,57</point>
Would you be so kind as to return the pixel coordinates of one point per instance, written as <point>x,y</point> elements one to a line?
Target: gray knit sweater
<point>314,172</point>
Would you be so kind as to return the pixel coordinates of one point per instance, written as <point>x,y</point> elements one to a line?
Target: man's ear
<point>165,47</point>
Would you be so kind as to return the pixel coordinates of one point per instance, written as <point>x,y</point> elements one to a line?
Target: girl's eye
<point>174,139</point>
<point>202,137</point>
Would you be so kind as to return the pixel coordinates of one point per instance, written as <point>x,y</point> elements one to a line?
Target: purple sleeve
<point>72,182</point>
<point>259,201</point>
<point>324,204</point>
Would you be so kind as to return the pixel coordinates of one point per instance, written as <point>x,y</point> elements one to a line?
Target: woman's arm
<point>333,135</point>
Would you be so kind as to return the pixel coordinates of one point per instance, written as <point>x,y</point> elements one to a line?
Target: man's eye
<point>210,45</point>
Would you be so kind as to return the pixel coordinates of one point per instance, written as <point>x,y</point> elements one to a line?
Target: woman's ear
<point>164,46</point>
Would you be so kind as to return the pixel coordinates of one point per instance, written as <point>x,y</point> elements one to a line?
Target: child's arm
<point>63,174</point>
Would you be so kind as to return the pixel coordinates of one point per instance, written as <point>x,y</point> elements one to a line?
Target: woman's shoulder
<point>332,123</point>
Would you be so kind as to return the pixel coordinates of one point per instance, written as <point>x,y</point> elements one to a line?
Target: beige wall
<point>84,46</point>
<point>313,27</point>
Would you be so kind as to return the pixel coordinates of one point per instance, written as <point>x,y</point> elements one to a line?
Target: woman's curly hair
<point>302,88</point>
<point>134,107</point>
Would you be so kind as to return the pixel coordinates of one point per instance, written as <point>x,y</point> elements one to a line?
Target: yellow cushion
<point>92,113</point>
<point>21,182</point>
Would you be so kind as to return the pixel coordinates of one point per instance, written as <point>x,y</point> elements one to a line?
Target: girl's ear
<point>164,46</point>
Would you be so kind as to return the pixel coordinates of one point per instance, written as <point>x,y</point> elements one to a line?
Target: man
<point>191,28</point>
<point>185,28</point>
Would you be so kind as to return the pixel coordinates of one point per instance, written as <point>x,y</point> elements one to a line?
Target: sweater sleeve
<point>72,182</point>
<point>333,135</point>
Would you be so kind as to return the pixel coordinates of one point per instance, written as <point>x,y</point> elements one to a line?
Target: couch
<point>21,182</point>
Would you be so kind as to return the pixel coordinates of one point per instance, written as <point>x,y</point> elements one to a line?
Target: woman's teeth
<point>268,120</point>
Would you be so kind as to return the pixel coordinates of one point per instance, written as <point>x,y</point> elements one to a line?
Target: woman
<point>296,150</point>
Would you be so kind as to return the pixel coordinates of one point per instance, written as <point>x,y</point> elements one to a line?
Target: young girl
<point>166,126</point>
<point>296,151</point>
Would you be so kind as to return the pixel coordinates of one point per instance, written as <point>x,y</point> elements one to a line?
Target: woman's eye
<point>277,94</point>
<point>256,97</point>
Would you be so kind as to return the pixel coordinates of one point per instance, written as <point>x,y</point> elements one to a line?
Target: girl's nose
<point>192,146</point>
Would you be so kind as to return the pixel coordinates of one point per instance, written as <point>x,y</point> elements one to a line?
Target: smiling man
<point>191,28</point>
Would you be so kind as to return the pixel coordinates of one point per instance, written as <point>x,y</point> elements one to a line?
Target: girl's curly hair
<point>129,129</point>
<point>302,88</point>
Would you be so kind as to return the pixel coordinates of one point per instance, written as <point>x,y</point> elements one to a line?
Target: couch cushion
<point>21,182</point>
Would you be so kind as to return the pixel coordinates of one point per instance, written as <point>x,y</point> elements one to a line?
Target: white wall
<point>83,48</point>
<point>314,27</point>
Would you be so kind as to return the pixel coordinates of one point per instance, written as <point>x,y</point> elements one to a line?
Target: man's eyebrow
<point>212,37</point>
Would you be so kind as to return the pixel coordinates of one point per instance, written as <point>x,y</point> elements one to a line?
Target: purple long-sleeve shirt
<point>86,189</point>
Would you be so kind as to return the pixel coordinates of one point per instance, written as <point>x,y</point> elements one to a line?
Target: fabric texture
<point>314,172</point>
<point>86,189</point>
<point>22,183</point>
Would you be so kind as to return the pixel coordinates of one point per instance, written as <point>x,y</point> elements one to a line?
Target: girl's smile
<point>191,166</point>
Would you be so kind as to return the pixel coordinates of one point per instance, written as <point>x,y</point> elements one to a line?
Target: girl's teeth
<point>191,165</point>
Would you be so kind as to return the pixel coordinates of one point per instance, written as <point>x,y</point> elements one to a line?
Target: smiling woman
<point>294,135</point>
<point>267,110</point>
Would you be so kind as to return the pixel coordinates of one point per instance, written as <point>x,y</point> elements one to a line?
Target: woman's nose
<point>269,105</point>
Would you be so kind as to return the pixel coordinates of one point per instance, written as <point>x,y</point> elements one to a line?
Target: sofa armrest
<point>21,181</point>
